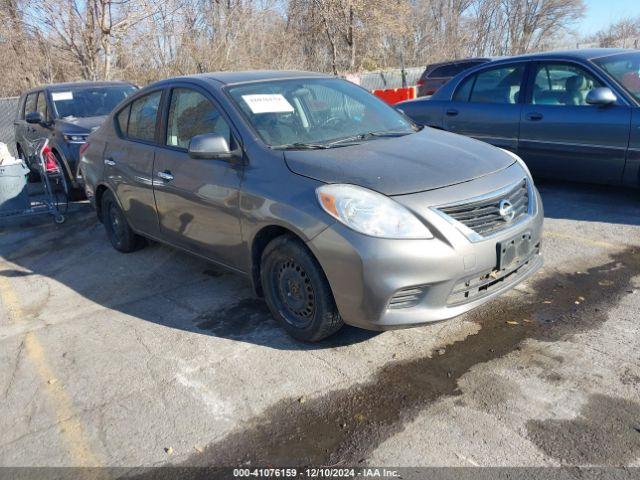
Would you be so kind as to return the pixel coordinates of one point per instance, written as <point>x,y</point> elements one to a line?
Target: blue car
<point>571,115</point>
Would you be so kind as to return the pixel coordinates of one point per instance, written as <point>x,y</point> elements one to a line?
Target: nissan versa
<point>336,206</point>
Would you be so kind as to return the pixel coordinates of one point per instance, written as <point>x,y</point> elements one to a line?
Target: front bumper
<point>382,284</point>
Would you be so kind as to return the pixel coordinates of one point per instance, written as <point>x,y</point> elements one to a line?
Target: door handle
<point>110,162</point>
<point>166,176</point>
<point>534,117</point>
<point>452,112</point>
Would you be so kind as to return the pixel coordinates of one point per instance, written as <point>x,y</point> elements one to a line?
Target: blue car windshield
<point>625,69</point>
<point>89,101</point>
<point>315,112</point>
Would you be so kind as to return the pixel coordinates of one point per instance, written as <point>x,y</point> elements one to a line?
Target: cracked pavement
<point>111,359</point>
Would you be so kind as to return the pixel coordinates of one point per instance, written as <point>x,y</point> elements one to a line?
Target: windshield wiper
<point>301,146</point>
<point>364,136</point>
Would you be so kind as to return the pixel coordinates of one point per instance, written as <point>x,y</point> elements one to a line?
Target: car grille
<point>483,216</point>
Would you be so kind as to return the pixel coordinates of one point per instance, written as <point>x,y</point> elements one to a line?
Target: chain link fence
<point>382,79</point>
<point>8,109</point>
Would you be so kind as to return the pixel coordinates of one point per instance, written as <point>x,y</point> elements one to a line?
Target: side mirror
<point>601,96</point>
<point>34,117</point>
<point>208,146</point>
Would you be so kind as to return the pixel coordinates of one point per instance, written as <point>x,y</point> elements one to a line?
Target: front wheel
<point>297,291</point>
<point>120,234</point>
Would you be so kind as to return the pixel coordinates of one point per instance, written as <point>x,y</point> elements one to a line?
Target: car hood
<point>418,162</point>
<point>79,125</point>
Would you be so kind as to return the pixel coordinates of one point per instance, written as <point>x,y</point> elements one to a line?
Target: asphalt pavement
<point>158,358</point>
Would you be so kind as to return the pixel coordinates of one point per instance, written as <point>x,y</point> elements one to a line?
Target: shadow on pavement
<point>590,203</point>
<point>158,284</point>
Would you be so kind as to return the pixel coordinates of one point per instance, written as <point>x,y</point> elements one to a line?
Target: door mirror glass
<point>34,118</point>
<point>208,146</point>
<point>601,96</point>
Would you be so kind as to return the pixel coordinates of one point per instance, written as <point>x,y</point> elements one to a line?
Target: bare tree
<point>144,40</point>
<point>86,30</point>
<point>624,33</point>
<point>531,22</point>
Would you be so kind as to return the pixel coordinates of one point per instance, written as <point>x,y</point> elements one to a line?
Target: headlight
<point>76,138</point>
<point>517,159</point>
<point>369,212</point>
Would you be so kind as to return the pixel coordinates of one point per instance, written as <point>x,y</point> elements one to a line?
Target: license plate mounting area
<point>514,251</point>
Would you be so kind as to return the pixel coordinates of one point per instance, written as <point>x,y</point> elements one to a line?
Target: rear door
<point>198,200</point>
<point>561,136</point>
<point>486,105</point>
<point>129,161</point>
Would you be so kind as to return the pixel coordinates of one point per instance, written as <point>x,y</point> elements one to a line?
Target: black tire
<point>118,230</point>
<point>297,291</point>
<point>73,193</point>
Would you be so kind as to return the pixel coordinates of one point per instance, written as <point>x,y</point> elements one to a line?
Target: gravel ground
<point>158,358</point>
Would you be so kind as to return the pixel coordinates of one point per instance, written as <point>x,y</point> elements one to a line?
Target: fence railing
<point>8,109</point>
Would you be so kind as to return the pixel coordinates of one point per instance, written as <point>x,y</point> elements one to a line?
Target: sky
<point>600,13</point>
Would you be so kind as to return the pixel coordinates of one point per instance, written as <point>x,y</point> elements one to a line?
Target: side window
<point>452,69</point>
<point>30,105</point>
<point>142,120</point>
<point>440,72</point>
<point>498,85</point>
<point>562,84</point>
<point>21,105</point>
<point>191,114</point>
<point>41,105</point>
<point>122,120</point>
<point>463,91</point>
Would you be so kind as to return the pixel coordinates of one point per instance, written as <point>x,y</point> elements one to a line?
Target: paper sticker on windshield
<point>268,103</point>
<point>57,96</point>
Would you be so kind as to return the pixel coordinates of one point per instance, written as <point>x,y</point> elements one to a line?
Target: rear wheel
<point>120,234</point>
<point>297,291</point>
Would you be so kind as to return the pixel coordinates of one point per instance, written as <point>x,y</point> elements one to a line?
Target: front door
<point>561,136</point>
<point>29,130</point>
<point>486,106</point>
<point>197,200</point>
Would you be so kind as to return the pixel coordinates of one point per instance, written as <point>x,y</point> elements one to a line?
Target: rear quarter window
<point>463,91</point>
<point>31,103</point>
<point>142,119</point>
<point>122,119</point>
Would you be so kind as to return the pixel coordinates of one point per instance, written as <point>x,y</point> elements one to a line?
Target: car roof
<point>228,78</point>
<point>580,54</point>
<point>72,85</point>
<point>460,60</point>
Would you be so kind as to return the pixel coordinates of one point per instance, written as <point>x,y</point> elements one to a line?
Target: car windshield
<point>316,113</point>
<point>89,101</point>
<point>625,69</point>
